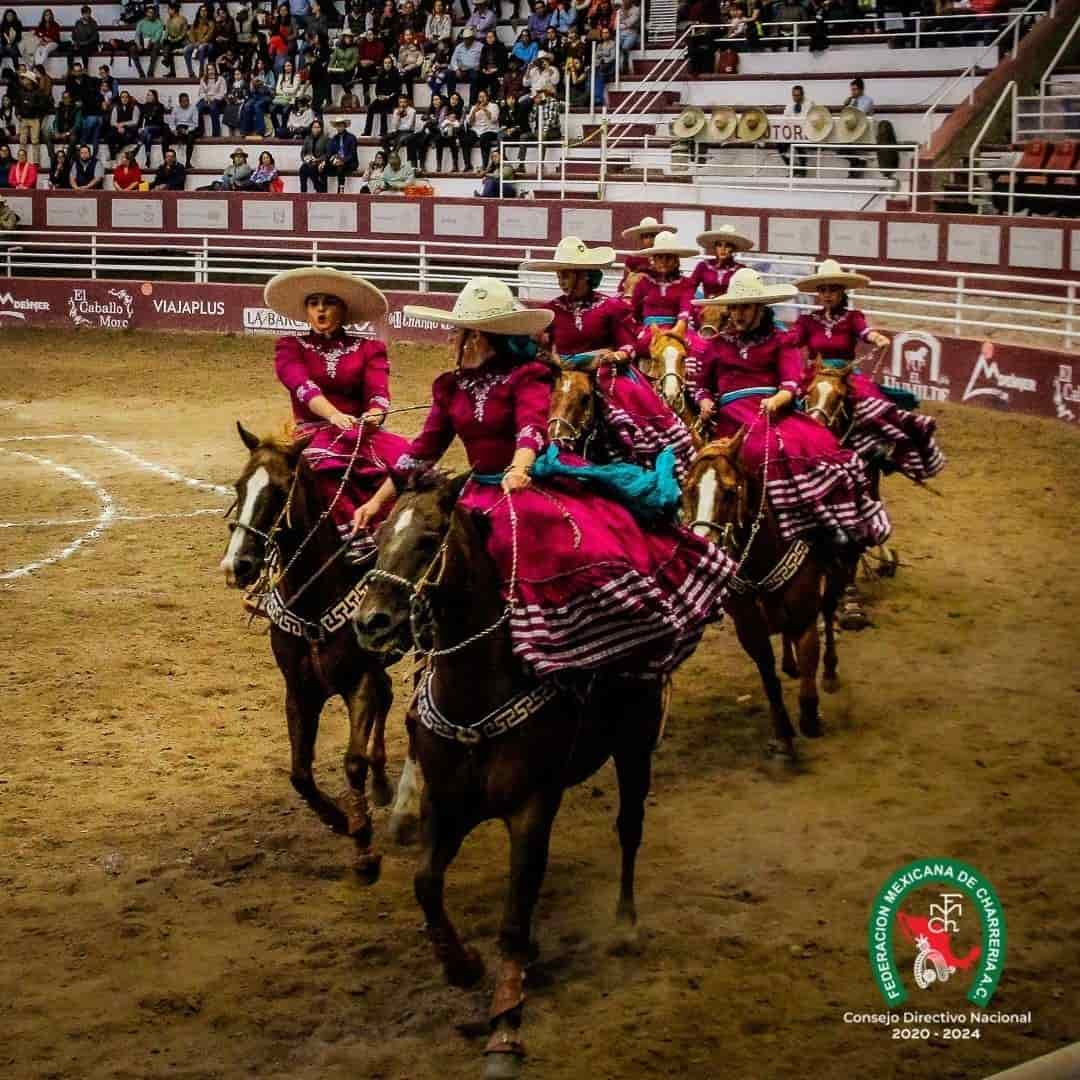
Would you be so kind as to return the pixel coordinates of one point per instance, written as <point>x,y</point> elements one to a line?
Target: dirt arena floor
<point>172,910</point>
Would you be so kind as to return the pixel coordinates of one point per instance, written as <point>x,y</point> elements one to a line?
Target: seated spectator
<point>372,176</point>
<point>24,173</point>
<point>525,49</point>
<point>46,36</point>
<point>402,125</point>
<point>108,84</point>
<point>260,93</point>
<point>513,82</point>
<point>60,172</point>
<point>481,128</point>
<point>278,51</point>
<point>11,33</point>
<point>451,124</point>
<point>495,172</point>
<point>127,175</point>
<point>539,21</point>
<point>152,123</point>
<point>577,47</point>
<point>65,126</point>
<point>236,176</point>
<point>301,117</point>
<point>343,61</point>
<point>6,162</point>
<point>125,118</point>
<point>440,24</point>
<point>411,19</point>
<point>553,45</point>
<point>541,75</point>
<point>564,18</point>
<point>149,36</point>
<point>482,19</point>
<point>248,44</point>
<point>9,118</point>
<point>544,118</point>
<point>398,174</point>
<point>387,92</point>
<point>170,175</point>
<point>514,122</point>
<point>184,126</point>
<point>285,96</point>
<point>371,52</point>
<point>85,37</point>
<point>387,28</point>
<point>175,39</point>
<point>629,29</point>
<point>223,34</point>
<point>213,91</point>
<point>410,59</point>
<point>436,70</point>
<point>342,158</point>
<point>87,172</point>
<point>313,155</point>
<point>601,17</point>
<point>265,173</point>
<point>579,82</point>
<point>465,61</point>
<point>605,63</point>
<point>91,106</point>
<point>200,41</point>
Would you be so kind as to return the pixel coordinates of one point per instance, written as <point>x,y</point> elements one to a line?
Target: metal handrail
<point>1057,58</point>
<point>1010,92</point>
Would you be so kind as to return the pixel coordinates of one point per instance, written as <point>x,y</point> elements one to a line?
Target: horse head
<point>715,494</point>
<point>264,504</point>
<point>668,367</point>
<point>413,547</point>
<point>573,409</point>
<point>713,319</point>
<point>630,284</point>
<point>829,392</point>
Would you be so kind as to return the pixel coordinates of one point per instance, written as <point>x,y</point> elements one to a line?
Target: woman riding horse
<point>588,587</point>
<point>635,265</point>
<point>880,430</point>
<point>339,387</point>
<point>749,377</point>
<point>596,331</point>
<point>663,295</point>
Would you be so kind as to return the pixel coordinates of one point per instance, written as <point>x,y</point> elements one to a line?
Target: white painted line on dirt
<point>101,522</point>
<point>51,523</point>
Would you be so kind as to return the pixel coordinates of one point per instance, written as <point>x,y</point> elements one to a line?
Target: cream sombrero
<point>753,126</point>
<point>747,287</point>
<point>287,293</point>
<point>648,226</point>
<point>852,124</point>
<point>724,122</point>
<point>668,244</point>
<point>689,123</point>
<point>830,272</point>
<point>818,124</point>
<point>487,304</point>
<point>572,254</point>
<point>725,234</point>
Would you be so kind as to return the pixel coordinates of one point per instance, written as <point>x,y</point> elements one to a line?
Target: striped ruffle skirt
<point>882,430</point>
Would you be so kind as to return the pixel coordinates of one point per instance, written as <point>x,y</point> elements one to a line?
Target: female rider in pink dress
<point>338,385</point>
<point>595,589</point>
<point>712,275</point>
<point>633,264</point>
<point>749,375</point>
<point>663,297</point>
<point>880,429</point>
<point>589,325</point>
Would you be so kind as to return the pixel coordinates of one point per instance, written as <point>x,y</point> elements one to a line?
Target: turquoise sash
<point>835,363</point>
<point>748,391</point>
<point>659,320</point>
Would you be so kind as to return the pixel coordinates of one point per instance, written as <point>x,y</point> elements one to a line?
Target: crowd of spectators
<point>271,69</point>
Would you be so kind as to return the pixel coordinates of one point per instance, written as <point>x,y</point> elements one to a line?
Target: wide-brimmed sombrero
<point>818,124</point>
<point>725,234</point>
<point>724,122</point>
<point>572,254</point>
<point>852,124</point>
<point>753,126</point>
<point>668,244</point>
<point>689,123</point>
<point>287,293</point>
<point>487,304</point>
<point>830,272</point>
<point>747,287</point>
<point>648,226</point>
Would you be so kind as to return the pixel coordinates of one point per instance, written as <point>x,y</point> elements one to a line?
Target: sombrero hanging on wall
<point>689,123</point>
<point>724,122</point>
<point>754,126</point>
<point>852,125</point>
<point>818,124</point>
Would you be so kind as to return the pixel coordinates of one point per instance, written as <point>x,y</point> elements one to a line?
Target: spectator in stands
<point>60,172</point>
<point>514,122</point>
<point>149,36</point>
<point>212,93</point>
<point>542,75</point>
<point>247,36</point>
<point>451,123</point>
<point>629,14</point>
<point>298,9</point>
<point>525,49</point>
<point>185,126</point>
<point>85,37</point>
<point>152,122</point>
<point>317,23</point>
<point>493,173</point>
<point>6,163</point>
<point>539,20</point>
<point>223,40</point>
<point>11,32</point>
<point>371,54</point>
<point>398,174</point>
<point>564,18</point>
<point>33,105</point>
<point>358,18</point>
<point>513,82</point>
<point>544,117</point>
<point>200,41</point>
<point>171,175</point>
<point>9,119</point>
<point>125,119</point>
<point>387,91</point>
<point>127,176</point>
<point>372,176</point>
<point>579,82</point>
<point>858,99</point>
<point>402,125</point>
<point>111,89</point>
<point>387,27</point>
<point>236,175</point>
<point>797,108</point>
<point>265,173</point>
<point>576,46</point>
<point>46,36</point>
<point>24,173</point>
<point>428,133</point>
<point>493,59</point>
<point>285,96</point>
<point>175,39</point>
<point>343,61</point>
<point>440,24</point>
<point>313,155</point>
<point>605,63</point>
<point>554,46</point>
<point>410,59</point>
<point>465,61</point>
<point>481,128</point>
<point>482,19</point>
<point>87,172</point>
<point>91,106</point>
<point>342,158</point>
<point>436,70</point>
<point>278,50</point>
<point>409,18</point>
<point>260,94</point>
<point>65,126</point>
<point>300,119</point>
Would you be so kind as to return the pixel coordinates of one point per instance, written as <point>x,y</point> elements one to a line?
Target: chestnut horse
<point>668,370</point>
<point>779,588</point>
<point>492,741</point>
<point>279,524</point>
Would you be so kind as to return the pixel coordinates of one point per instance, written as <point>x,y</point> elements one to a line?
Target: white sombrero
<point>487,304</point>
<point>689,123</point>
<point>668,243</point>
<point>726,234</point>
<point>572,254</point>
<point>818,124</point>
<point>724,122</point>
<point>747,287</point>
<point>851,125</point>
<point>753,125</point>
<point>287,293</point>
<point>830,272</point>
<point>648,226</point>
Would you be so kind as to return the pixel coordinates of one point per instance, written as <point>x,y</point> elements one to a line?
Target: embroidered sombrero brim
<point>708,240</point>
<point>521,321</point>
<point>647,228</point>
<point>590,259</point>
<point>287,293</point>
<point>830,272</point>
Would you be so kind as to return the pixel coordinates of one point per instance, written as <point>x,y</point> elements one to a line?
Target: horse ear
<point>454,486</point>
<point>299,445</point>
<point>249,440</point>
<point>737,439</point>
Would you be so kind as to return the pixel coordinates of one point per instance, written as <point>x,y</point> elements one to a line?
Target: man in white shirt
<point>797,109</point>
<point>402,125</point>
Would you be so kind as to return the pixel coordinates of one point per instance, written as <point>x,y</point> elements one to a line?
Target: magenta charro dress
<point>632,264</point>
<point>639,421</point>
<point>595,589</point>
<point>353,374</point>
<point>712,276</point>
<point>814,484</point>
<point>880,428</point>
<point>660,302</point>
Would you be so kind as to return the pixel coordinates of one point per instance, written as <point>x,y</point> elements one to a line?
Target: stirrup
<point>851,615</point>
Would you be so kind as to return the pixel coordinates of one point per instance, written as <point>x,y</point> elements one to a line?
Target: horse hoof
<point>830,684</point>
<point>811,727</point>
<point>781,749</point>
<point>626,941</point>
<point>504,1064</point>
<point>403,828</point>
<point>852,617</point>
<point>368,866</point>
<point>469,972</point>
<point>889,562</point>
<point>382,791</point>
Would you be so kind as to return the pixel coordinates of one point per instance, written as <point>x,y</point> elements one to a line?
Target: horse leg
<point>753,635</point>
<point>530,835</point>
<point>809,654</point>
<point>405,816</point>
<point>789,665</point>
<point>852,614</point>
<point>302,710</point>
<point>828,610</point>
<point>363,702</point>
<point>443,834</point>
<point>382,791</point>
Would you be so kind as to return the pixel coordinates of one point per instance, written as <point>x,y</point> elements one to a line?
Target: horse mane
<point>283,440</point>
<point>426,478</point>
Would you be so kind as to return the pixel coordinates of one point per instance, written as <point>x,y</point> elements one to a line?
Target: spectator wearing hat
<point>465,61</point>
<point>342,157</point>
<point>542,75</point>
<point>544,119</point>
<point>170,175</point>
<point>237,174</point>
<point>313,155</point>
<point>343,61</point>
<point>387,91</point>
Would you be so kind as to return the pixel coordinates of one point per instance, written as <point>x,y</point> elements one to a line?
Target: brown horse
<point>492,742</point>
<point>280,530</point>
<point>575,419</point>
<point>712,320</point>
<point>780,587</point>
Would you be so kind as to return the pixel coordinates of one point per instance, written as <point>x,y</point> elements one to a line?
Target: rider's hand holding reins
<point>772,405</point>
<point>707,408</point>
<point>375,417</point>
<point>517,475</point>
<point>875,337</point>
<point>366,514</point>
